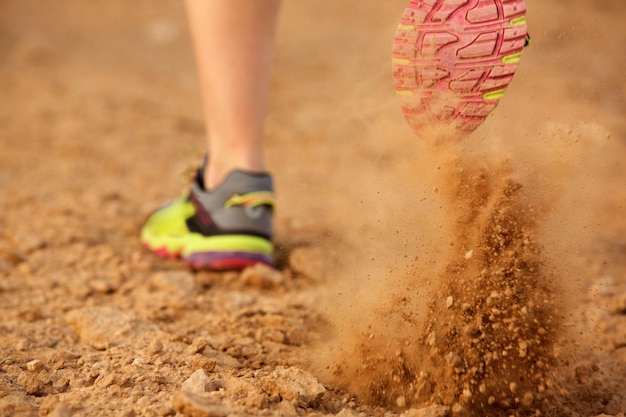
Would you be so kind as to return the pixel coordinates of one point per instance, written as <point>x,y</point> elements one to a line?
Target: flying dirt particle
<point>467,394</point>
<point>449,301</point>
<point>435,410</point>
<point>523,349</point>
<point>423,392</point>
<point>453,359</point>
<point>469,254</point>
<point>528,399</point>
<point>401,401</point>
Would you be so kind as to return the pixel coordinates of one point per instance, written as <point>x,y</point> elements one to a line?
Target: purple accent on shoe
<point>227,260</point>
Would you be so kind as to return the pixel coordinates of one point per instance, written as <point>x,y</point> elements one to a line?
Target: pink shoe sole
<point>453,59</point>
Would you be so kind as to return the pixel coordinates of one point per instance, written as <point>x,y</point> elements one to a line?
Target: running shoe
<point>228,228</point>
<point>453,59</point>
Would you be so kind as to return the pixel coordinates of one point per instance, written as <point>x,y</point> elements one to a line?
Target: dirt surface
<point>416,276</point>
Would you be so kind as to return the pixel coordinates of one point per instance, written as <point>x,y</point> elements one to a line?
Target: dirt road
<point>416,277</point>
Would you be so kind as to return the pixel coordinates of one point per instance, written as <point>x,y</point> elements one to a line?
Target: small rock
<point>287,408</point>
<point>346,412</point>
<point>197,345</point>
<point>154,347</point>
<point>109,379</point>
<point>431,411</point>
<point>261,276</point>
<point>467,394</point>
<point>222,361</point>
<point>401,401</point>
<point>102,286</point>
<point>424,391</point>
<point>22,345</point>
<point>293,384</point>
<point>194,405</point>
<point>528,399</point>
<point>449,301</point>
<point>469,254</point>
<point>453,359</point>
<point>16,404</point>
<point>61,410</point>
<point>35,365</point>
<point>52,407</point>
<point>179,285</point>
<point>523,349</point>
<point>431,340</point>
<point>28,242</point>
<point>197,383</point>
<point>102,327</point>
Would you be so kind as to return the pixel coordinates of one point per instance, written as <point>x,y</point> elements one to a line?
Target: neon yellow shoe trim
<point>167,228</point>
<point>494,95</point>
<point>195,242</point>
<point>512,59</point>
<point>519,21</point>
<point>404,93</point>
<point>401,61</point>
<point>254,199</point>
<point>406,28</point>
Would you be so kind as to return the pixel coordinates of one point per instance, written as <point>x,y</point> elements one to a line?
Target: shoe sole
<point>453,59</point>
<point>213,253</point>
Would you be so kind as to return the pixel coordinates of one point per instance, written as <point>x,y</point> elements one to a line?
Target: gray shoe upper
<point>251,219</point>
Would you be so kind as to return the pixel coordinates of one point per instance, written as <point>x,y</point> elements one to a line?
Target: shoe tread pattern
<point>452,59</point>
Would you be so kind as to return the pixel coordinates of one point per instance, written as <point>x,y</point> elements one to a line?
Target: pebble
<point>154,347</point>
<point>194,405</point>
<point>179,285</point>
<point>16,404</point>
<point>103,327</point>
<point>527,399</point>
<point>431,411</point>
<point>261,276</point>
<point>35,365</point>
<point>197,383</point>
<point>197,346</point>
<point>22,345</point>
<point>293,384</point>
<point>346,412</point>
<point>52,407</point>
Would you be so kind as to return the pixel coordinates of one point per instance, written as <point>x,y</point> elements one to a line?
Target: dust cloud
<point>476,313</point>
